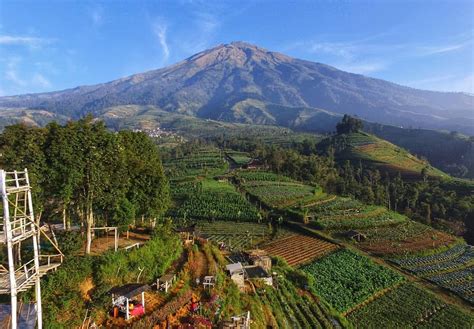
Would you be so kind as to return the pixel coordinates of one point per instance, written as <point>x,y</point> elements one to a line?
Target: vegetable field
<point>294,309</point>
<point>297,249</point>
<point>218,206</point>
<point>240,158</point>
<point>196,163</point>
<point>237,235</point>
<point>408,306</point>
<point>250,175</point>
<point>345,279</point>
<point>406,237</point>
<point>345,213</point>
<point>451,269</point>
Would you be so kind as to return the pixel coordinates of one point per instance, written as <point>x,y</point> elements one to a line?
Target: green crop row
<point>218,206</point>
<point>409,306</point>
<point>345,279</point>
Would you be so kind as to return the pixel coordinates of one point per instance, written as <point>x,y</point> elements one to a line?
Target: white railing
<point>49,258</point>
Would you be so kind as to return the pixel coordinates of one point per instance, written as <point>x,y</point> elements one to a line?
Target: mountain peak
<point>238,53</point>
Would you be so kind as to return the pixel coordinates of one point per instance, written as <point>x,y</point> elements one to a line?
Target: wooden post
<point>127,310</point>
<point>116,239</point>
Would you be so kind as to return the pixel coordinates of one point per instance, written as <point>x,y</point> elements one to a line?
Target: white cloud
<point>39,80</point>
<point>96,16</point>
<point>441,49</point>
<point>363,68</point>
<point>18,80</point>
<point>160,30</point>
<point>456,83</point>
<point>23,40</point>
<point>11,73</point>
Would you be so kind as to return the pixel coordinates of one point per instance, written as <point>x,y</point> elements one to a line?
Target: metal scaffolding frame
<point>18,225</point>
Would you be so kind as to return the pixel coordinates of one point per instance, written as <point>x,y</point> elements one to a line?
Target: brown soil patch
<point>414,244</point>
<point>85,288</point>
<point>297,249</point>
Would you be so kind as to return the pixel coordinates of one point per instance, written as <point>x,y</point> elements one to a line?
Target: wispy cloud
<point>23,40</point>
<point>11,72</point>
<point>372,53</point>
<point>96,15</point>
<point>18,79</point>
<point>450,82</point>
<point>160,30</point>
<point>441,49</point>
<point>40,80</point>
<point>363,68</point>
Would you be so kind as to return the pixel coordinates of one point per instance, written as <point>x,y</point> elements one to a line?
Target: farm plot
<point>240,158</point>
<point>345,279</point>
<point>403,238</point>
<point>198,162</point>
<point>279,194</point>
<point>237,235</point>
<point>457,256</point>
<point>451,269</point>
<point>218,205</point>
<point>297,249</point>
<point>259,176</point>
<point>460,282</point>
<point>409,306</point>
<point>293,309</point>
<point>345,213</point>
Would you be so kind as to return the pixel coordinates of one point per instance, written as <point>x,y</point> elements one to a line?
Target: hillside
<point>378,153</point>
<point>240,82</point>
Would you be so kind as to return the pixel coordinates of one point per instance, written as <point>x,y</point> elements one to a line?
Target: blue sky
<point>52,45</point>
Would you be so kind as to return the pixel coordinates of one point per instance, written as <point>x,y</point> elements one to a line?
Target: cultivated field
<point>346,213</point>
<point>238,235</point>
<point>451,269</point>
<point>297,249</point>
<point>402,238</point>
<point>408,306</point>
<point>345,279</point>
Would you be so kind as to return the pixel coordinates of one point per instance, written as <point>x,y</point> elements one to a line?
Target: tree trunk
<point>64,217</point>
<point>89,224</point>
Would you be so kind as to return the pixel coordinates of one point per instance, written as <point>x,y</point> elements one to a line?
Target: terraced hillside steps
<point>297,249</point>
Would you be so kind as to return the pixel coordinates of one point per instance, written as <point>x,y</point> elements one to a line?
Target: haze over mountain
<point>240,82</point>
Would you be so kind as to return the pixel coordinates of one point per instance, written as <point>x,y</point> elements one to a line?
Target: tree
<point>349,125</point>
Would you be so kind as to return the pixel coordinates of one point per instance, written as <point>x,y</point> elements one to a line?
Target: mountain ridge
<point>236,82</point>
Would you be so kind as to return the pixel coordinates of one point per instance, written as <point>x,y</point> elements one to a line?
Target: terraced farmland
<point>409,306</point>
<point>346,213</point>
<point>238,236</point>
<point>403,238</point>
<point>293,309</point>
<point>279,194</point>
<point>297,249</point>
<point>451,269</point>
<point>196,163</point>
<point>240,158</point>
<point>345,279</point>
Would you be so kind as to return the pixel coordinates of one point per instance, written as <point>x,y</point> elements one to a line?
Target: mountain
<point>240,82</point>
<point>377,153</point>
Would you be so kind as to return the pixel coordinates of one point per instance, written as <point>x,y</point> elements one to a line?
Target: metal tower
<point>19,228</point>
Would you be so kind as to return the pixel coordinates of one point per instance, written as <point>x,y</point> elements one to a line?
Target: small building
<point>356,235</point>
<point>123,299</point>
<point>237,274</point>
<point>260,258</point>
<point>165,282</point>
<point>258,273</point>
<point>255,164</point>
